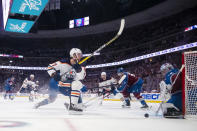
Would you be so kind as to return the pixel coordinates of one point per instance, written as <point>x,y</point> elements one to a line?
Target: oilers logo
<point>69,75</point>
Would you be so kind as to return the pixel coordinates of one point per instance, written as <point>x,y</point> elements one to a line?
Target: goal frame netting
<point>189,86</point>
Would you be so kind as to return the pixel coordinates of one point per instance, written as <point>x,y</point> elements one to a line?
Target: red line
<point>70,125</point>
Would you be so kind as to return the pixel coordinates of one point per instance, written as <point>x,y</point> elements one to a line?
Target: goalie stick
<point>160,106</point>
<point>122,25</point>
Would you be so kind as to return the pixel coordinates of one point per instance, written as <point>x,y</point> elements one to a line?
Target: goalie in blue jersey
<point>172,84</point>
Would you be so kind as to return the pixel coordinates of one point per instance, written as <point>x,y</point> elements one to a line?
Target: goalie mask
<point>166,67</point>
<point>76,53</point>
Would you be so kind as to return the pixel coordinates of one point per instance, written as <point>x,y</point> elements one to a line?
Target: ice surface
<point>108,117</point>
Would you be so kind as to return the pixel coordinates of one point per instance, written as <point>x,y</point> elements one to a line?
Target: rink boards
<point>149,97</point>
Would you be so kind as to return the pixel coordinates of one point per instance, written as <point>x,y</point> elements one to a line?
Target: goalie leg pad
<point>176,100</point>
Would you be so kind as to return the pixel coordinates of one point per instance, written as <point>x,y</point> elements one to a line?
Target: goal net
<point>190,84</point>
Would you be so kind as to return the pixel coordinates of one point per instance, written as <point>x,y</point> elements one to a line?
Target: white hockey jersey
<point>29,83</point>
<point>108,83</point>
<point>66,70</point>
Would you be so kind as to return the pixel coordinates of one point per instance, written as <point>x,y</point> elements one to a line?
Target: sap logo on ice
<point>151,96</point>
<point>18,28</point>
<point>31,4</point>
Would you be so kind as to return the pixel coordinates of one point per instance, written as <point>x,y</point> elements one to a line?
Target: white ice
<point>108,117</point>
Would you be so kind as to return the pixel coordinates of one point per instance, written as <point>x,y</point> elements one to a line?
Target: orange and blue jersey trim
<point>61,84</point>
<point>75,93</point>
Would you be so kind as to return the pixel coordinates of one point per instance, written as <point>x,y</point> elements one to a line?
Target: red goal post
<point>189,84</point>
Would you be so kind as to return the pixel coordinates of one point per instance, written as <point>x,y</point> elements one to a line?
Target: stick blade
<point>122,24</point>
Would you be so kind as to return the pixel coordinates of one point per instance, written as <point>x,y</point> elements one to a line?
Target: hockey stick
<point>100,87</point>
<point>94,98</point>
<point>122,25</point>
<point>160,106</point>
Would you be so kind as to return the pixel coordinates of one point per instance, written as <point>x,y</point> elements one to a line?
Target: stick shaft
<point>106,44</point>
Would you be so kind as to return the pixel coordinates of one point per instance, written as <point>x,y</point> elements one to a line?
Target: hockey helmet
<point>75,51</point>
<point>32,76</point>
<point>166,66</point>
<point>103,74</point>
<point>120,70</point>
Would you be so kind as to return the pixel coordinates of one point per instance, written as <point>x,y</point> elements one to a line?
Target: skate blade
<point>146,108</point>
<point>175,117</point>
<point>126,107</point>
<point>75,112</point>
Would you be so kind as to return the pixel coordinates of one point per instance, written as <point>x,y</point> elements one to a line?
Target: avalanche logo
<point>17,28</point>
<point>31,4</point>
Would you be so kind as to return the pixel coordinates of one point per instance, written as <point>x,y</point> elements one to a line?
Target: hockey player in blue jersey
<point>65,78</point>
<point>129,83</point>
<point>9,85</point>
<point>172,84</point>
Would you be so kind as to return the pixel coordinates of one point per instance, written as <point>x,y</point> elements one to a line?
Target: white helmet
<point>75,51</point>
<point>103,74</point>
<point>32,76</point>
<point>166,66</point>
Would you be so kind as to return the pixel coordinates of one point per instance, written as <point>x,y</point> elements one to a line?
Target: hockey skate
<point>126,104</point>
<point>66,105</point>
<point>75,108</point>
<point>145,106</point>
<point>36,106</point>
<point>173,113</point>
<point>31,99</point>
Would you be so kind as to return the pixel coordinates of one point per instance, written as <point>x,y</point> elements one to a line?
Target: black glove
<point>57,76</point>
<point>77,67</point>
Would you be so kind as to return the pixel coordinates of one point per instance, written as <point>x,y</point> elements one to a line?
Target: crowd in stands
<point>147,69</point>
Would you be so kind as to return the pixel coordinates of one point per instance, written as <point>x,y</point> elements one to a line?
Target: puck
<point>146,115</point>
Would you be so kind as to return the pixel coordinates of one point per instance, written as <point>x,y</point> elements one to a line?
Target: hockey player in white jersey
<point>106,85</point>
<point>65,78</point>
<point>28,86</point>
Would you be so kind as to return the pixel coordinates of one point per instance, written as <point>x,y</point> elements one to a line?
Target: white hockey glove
<point>18,93</point>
